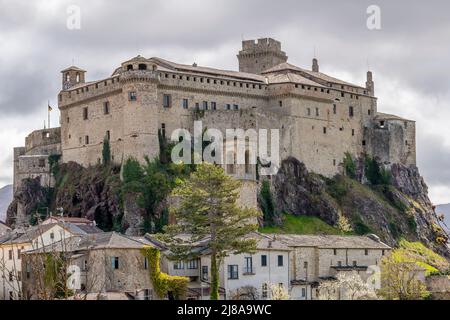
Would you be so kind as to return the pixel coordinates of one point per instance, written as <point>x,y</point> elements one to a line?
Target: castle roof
<point>283,67</point>
<point>278,78</point>
<point>73,68</point>
<point>386,116</point>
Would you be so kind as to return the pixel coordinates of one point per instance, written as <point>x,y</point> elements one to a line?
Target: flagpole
<point>48,111</point>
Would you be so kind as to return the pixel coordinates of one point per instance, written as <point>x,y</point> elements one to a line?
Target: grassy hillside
<point>302,225</point>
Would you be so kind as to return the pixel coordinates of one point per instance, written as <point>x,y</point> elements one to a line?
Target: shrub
<point>349,166</point>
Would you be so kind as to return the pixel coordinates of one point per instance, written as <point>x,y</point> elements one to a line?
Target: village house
<point>15,243</point>
<point>100,266</point>
<point>320,258</point>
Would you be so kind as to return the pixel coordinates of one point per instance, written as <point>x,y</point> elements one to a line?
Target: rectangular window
<point>334,109</point>
<point>353,132</point>
<point>233,272</point>
<point>132,96</point>
<point>248,265</point>
<point>115,263</point>
<point>366,252</point>
<point>19,254</point>
<point>305,265</point>
<point>369,112</point>
<point>106,107</point>
<point>163,130</point>
<point>335,252</point>
<point>213,105</point>
<point>86,140</point>
<point>205,276</point>
<point>85,114</point>
<point>185,104</point>
<point>308,112</point>
<point>41,163</point>
<point>236,107</point>
<point>192,264</point>
<point>205,105</point>
<point>280,261</point>
<point>108,135</point>
<point>146,263</point>
<point>10,254</point>
<point>324,130</point>
<point>317,112</point>
<point>263,261</point>
<point>179,265</point>
<point>280,103</point>
<point>167,101</point>
<point>228,106</point>
<point>351,111</point>
<point>303,292</point>
<point>52,236</point>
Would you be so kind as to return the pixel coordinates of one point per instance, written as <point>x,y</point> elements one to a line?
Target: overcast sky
<point>410,55</point>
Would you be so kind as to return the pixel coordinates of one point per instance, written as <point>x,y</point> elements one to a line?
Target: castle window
<point>247,85</point>
<point>185,103</point>
<point>67,77</point>
<point>351,111</point>
<point>247,162</point>
<point>207,80</point>
<point>321,90</point>
<point>85,114</point>
<point>205,105</point>
<point>364,142</point>
<point>315,89</point>
<point>163,130</point>
<point>334,162</point>
<point>106,107</point>
<point>317,112</point>
<point>108,135</point>
<point>335,252</point>
<point>41,163</point>
<point>228,106</point>
<point>215,81</point>
<point>280,103</point>
<point>78,77</point>
<point>106,83</point>
<point>406,142</point>
<point>195,79</point>
<point>260,87</point>
<point>197,106</point>
<point>96,86</point>
<point>167,101</point>
<point>60,97</point>
<point>303,86</point>
<point>353,132</point>
<point>241,84</point>
<point>366,252</point>
<point>324,130</point>
<point>236,107</point>
<point>309,111</point>
<point>86,140</point>
<point>406,125</point>
<point>213,105</point>
<point>369,112</point>
<point>166,75</point>
<point>188,78</point>
<point>342,94</point>
<point>132,96</point>
<point>334,109</point>
<point>142,66</point>
<point>201,80</point>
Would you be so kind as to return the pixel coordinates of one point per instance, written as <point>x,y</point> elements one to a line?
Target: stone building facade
<point>319,117</point>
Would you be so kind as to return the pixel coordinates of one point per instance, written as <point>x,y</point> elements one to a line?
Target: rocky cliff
<point>398,210</point>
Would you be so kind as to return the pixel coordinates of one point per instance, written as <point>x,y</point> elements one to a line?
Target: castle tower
<point>370,85</point>
<point>315,65</point>
<point>72,76</point>
<point>258,56</point>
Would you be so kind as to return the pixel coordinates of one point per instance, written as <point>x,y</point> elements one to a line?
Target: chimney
<point>370,85</point>
<point>315,65</point>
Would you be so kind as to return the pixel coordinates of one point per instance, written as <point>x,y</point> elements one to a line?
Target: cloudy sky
<point>409,55</point>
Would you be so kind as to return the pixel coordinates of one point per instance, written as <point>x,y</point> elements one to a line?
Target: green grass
<point>302,225</point>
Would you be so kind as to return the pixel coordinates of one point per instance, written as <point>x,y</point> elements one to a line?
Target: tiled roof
<point>25,236</point>
<point>386,116</point>
<point>74,68</point>
<point>278,78</point>
<point>331,242</point>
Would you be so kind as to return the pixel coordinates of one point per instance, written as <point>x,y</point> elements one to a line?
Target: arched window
<point>130,67</point>
<point>247,162</point>
<point>142,66</point>
<point>78,77</point>
<point>67,77</point>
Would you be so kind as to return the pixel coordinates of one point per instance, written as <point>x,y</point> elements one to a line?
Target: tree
<point>208,209</point>
<point>348,286</point>
<point>106,152</point>
<point>278,292</point>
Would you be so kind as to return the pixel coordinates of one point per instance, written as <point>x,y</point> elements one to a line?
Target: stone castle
<point>320,118</point>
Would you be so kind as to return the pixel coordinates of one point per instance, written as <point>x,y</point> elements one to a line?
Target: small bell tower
<point>72,76</point>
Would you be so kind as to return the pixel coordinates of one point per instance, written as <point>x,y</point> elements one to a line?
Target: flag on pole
<point>48,111</point>
<point>50,108</point>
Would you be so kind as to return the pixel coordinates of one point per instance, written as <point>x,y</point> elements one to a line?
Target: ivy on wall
<point>164,284</point>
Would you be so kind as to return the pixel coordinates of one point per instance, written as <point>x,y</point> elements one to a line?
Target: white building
<point>14,243</point>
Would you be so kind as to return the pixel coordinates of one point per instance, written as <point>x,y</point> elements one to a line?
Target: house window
<point>228,106</point>
<point>236,107</point>
<point>248,265</point>
<point>247,162</point>
<point>179,265</point>
<point>264,290</point>
<point>142,66</point>
<point>146,263</point>
<point>205,105</point>
<point>10,254</point>
<point>213,106</point>
<point>86,139</point>
<point>192,264</point>
<point>305,265</point>
<point>351,111</point>
<point>366,252</point>
<point>263,261</point>
<point>303,292</point>
<point>19,253</point>
<point>85,114</point>
<point>280,261</point>
<point>233,272</point>
<point>132,96</point>
<point>106,107</point>
<point>317,112</point>
<point>185,103</point>
<point>115,263</point>
<point>205,275</point>
<point>41,163</point>
<point>167,101</point>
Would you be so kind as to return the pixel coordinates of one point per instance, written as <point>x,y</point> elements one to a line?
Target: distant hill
<point>445,209</point>
<point>6,196</point>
